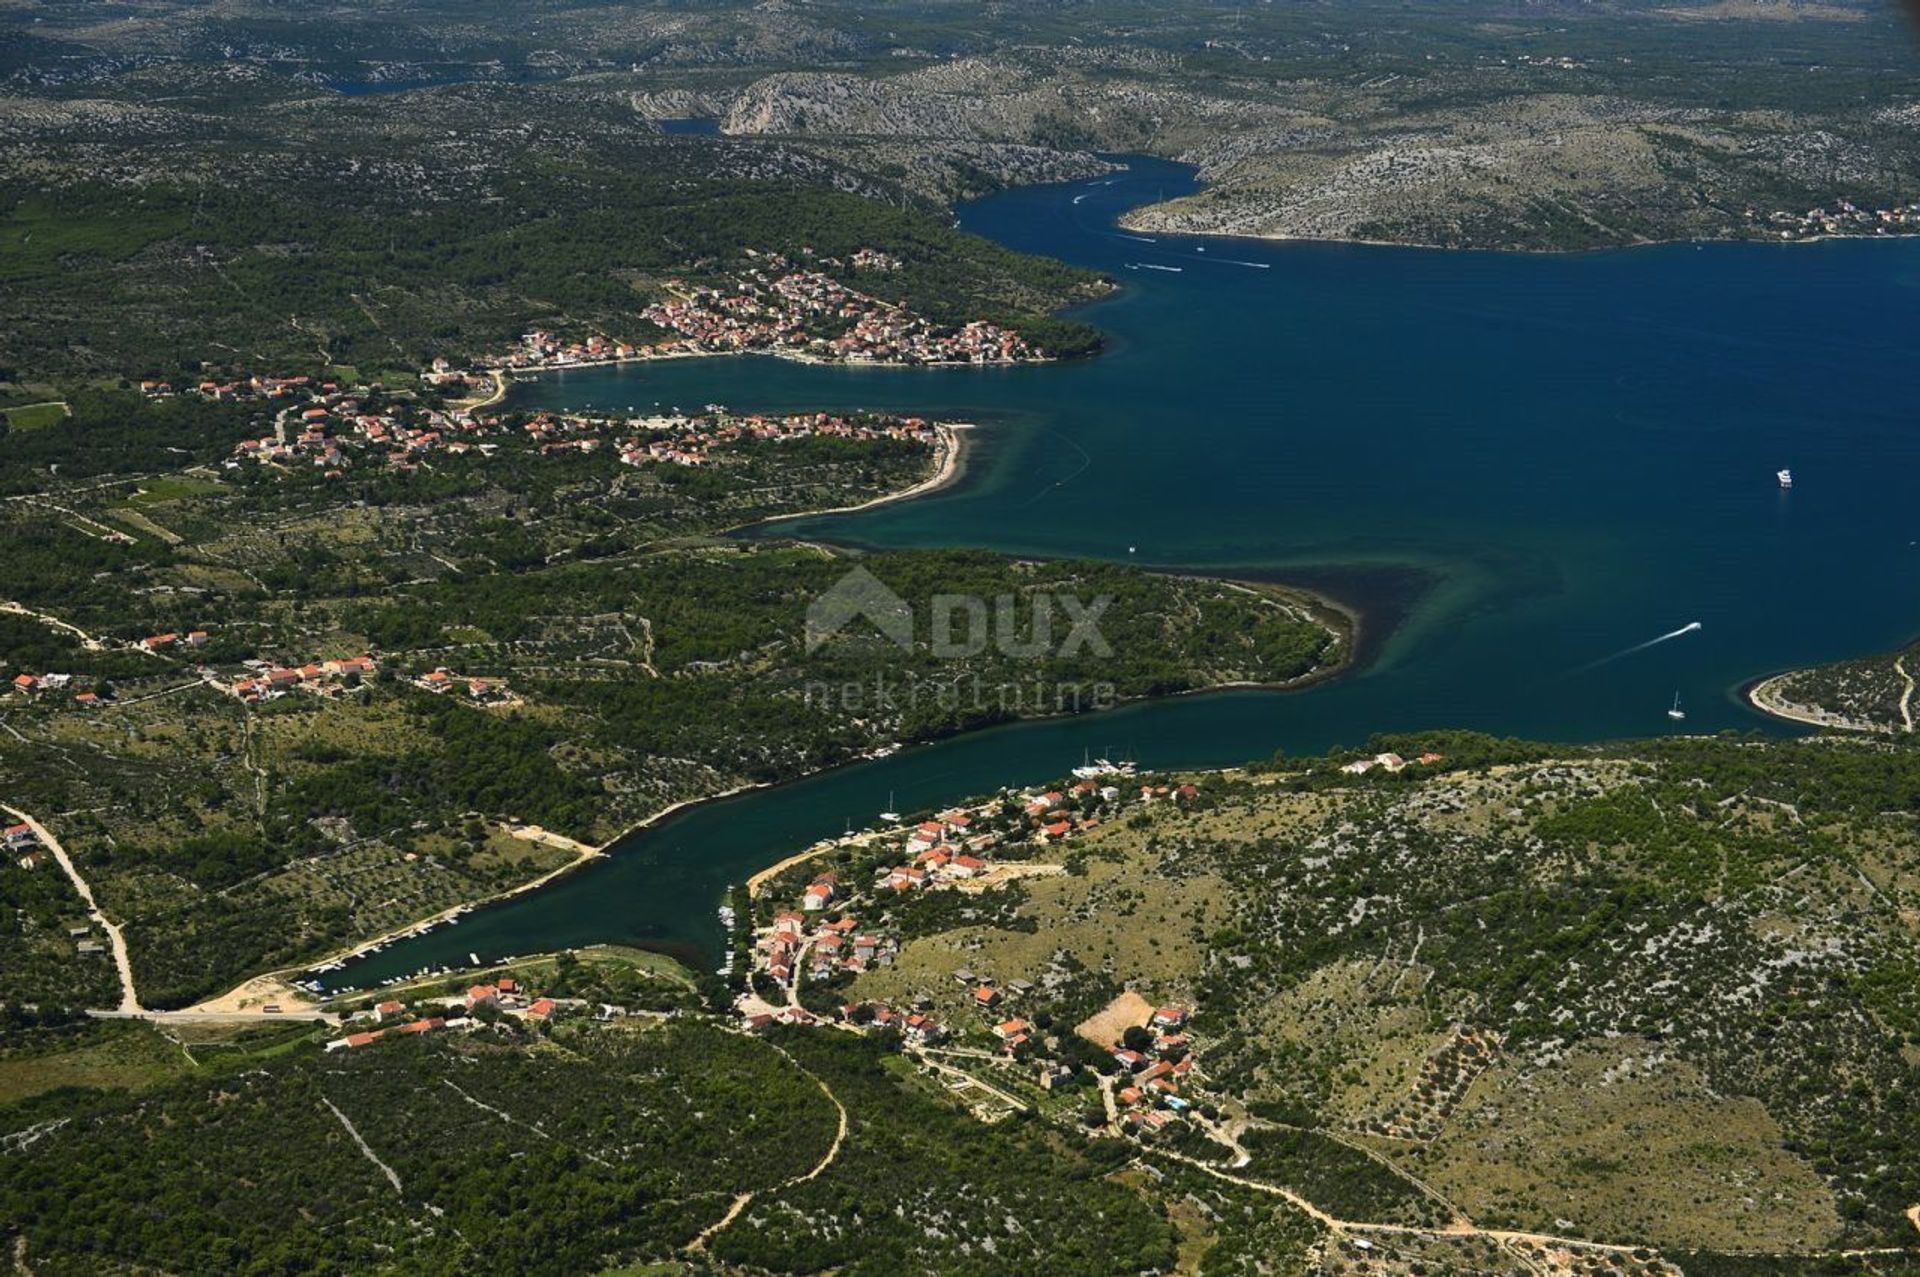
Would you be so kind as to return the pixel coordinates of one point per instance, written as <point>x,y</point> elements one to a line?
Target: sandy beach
<point>950,465</point>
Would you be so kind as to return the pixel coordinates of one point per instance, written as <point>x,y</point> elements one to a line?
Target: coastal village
<point>1843,218</point>
<point>771,306</point>
<point>1135,1064</point>
<point>335,429</point>
<point>812,315</point>
<point>1134,1069</point>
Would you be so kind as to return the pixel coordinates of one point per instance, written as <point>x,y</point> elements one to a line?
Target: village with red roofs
<point>804,948</point>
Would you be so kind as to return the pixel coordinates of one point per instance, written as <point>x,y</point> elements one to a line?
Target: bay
<point>1517,467</point>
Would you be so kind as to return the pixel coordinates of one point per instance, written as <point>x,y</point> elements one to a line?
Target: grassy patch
<point>172,487</point>
<point>36,416</point>
<point>1630,1145</point>
<point>104,1056</point>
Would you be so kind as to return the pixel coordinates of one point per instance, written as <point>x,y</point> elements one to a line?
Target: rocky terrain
<point>1531,155</point>
<point>1601,994</point>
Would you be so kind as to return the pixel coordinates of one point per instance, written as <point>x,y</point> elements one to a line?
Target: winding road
<point>742,1200</point>
<point>1458,1228</point>
<point>1906,697</point>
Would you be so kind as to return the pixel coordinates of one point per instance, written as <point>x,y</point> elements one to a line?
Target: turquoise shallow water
<point>1516,465</point>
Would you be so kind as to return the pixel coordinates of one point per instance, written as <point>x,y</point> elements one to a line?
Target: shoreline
<point>949,468</point>
<point>1346,664</point>
<point>1342,621</point>
<point>1362,242</point>
<point>584,855</point>
<point>513,372</point>
<point>1763,695</point>
<point>1126,221</point>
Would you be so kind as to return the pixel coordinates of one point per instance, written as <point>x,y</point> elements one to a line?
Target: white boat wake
<point>1688,628</point>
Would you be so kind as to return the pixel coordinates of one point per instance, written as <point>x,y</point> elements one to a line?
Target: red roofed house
<point>907,877</point>
<point>542,1010</point>
<point>986,996</point>
<point>1170,1017</point>
<point>482,995</point>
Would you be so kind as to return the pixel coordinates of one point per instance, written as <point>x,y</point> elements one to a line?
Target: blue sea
<point>1517,467</point>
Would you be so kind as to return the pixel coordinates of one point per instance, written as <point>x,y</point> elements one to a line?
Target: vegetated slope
<point>1661,994</point>
<point>593,1147</point>
<point>250,221</point>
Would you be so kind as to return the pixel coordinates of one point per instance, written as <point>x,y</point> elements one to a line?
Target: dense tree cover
<point>739,689</point>
<point>115,431</point>
<point>38,961</point>
<point>548,242</point>
<point>483,762</point>
<point>619,1147</point>
<point>1337,1178</point>
<point>516,1159</point>
<point>55,566</point>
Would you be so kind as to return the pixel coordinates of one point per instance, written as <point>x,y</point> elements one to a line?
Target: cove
<point>1515,466</point>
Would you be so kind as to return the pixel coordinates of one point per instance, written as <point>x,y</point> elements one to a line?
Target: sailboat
<point>1091,767</point>
<point>891,816</point>
<point>1676,713</point>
